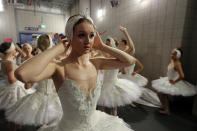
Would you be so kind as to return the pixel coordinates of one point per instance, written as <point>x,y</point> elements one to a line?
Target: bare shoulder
<point>177,63</point>
<point>7,65</point>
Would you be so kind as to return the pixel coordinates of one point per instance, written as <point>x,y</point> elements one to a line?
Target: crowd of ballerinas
<point>60,86</point>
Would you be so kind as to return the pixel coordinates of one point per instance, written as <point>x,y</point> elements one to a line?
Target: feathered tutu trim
<point>121,93</point>
<point>180,88</point>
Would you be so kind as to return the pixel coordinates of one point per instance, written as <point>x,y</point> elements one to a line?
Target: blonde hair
<point>43,42</point>
<point>27,44</point>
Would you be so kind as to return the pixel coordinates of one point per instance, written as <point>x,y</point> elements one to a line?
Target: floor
<point>148,119</point>
<point>142,118</point>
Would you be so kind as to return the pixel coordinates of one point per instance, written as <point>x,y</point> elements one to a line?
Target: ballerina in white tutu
<point>11,90</point>
<point>116,92</point>
<point>42,107</point>
<point>173,83</point>
<point>148,97</point>
<point>76,77</point>
<point>128,72</point>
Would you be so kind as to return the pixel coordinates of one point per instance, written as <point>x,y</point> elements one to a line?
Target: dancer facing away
<point>173,83</point>
<point>116,92</point>
<point>11,90</point>
<point>76,77</point>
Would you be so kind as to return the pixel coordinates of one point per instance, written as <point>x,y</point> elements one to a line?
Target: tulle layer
<point>138,79</point>
<point>36,109</point>
<point>121,93</point>
<point>11,93</point>
<point>100,121</point>
<point>180,88</point>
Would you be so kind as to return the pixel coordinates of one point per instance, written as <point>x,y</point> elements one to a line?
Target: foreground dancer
<point>76,77</point>
<point>42,107</point>
<point>173,83</point>
<point>116,92</point>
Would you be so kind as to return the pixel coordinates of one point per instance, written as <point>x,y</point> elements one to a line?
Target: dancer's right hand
<point>122,29</point>
<point>101,33</point>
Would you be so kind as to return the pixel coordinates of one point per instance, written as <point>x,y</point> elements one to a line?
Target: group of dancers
<point>60,88</point>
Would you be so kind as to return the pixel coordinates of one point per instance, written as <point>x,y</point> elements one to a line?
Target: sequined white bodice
<point>172,73</point>
<point>129,69</point>
<point>46,86</point>
<point>77,107</point>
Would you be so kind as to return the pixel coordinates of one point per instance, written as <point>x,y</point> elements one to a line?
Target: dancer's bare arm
<point>140,67</point>
<point>121,59</point>
<point>178,67</point>
<point>40,66</point>
<point>131,49</point>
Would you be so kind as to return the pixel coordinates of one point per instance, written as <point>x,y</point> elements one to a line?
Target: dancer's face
<point>27,48</point>
<point>122,44</point>
<point>83,37</point>
<point>108,43</point>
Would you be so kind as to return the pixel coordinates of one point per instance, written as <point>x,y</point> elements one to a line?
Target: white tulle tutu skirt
<point>119,93</point>
<point>99,121</point>
<point>180,88</point>
<point>11,93</point>
<point>36,109</point>
<point>137,78</point>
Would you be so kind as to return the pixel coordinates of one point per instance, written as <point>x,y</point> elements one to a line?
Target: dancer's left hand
<point>134,73</point>
<point>172,82</point>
